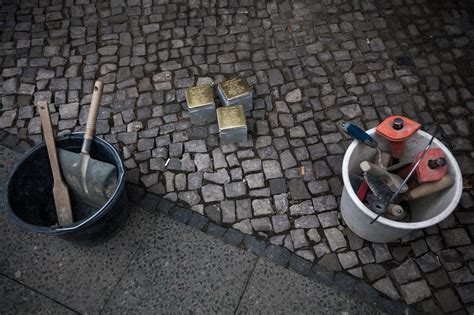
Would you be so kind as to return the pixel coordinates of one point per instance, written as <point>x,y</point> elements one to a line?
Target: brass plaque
<point>234,88</point>
<point>230,117</point>
<point>200,95</point>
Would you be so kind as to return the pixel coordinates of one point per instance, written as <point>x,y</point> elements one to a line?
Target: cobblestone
<point>335,238</point>
<point>406,272</point>
<point>361,61</point>
<point>415,291</point>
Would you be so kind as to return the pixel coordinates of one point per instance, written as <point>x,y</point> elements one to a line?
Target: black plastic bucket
<point>28,197</point>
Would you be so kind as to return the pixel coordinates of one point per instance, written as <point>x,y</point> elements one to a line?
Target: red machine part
<point>433,166</point>
<point>397,129</point>
<point>362,191</point>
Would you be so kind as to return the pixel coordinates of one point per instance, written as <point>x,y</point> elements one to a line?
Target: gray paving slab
<point>182,270</point>
<point>277,290</point>
<point>18,299</point>
<point>80,277</point>
<point>10,236</point>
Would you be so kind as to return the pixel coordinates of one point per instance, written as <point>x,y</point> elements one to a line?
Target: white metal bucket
<point>425,212</point>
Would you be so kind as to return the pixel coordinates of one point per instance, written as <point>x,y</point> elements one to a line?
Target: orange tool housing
<point>424,172</point>
<point>396,129</point>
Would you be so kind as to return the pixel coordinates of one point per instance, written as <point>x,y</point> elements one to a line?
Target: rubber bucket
<point>29,203</point>
<point>425,212</point>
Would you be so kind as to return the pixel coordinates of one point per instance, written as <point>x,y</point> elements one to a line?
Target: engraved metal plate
<point>200,95</point>
<point>231,117</point>
<point>234,88</point>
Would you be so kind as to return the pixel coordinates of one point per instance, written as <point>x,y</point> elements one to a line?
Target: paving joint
<point>246,285</point>
<point>40,293</point>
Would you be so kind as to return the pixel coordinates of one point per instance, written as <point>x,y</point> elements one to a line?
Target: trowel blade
<point>378,187</point>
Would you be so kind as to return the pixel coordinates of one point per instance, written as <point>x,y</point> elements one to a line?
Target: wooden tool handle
<point>60,192</point>
<point>49,138</point>
<point>94,108</point>
<point>374,169</point>
<point>385,159</point>
<point>430,188</point>
<point>395,210</point>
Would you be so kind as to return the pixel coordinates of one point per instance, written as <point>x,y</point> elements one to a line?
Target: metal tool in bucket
<point>91,181</point>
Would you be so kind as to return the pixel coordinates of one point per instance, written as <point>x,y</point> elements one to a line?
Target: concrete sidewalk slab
<point>277,290</point>
<point>18,299</point>
<point>11,236</point>
<point>80,277</point>
<point>182,270</point>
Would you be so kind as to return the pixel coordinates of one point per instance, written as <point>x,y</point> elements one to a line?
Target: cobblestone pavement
<point>311,64</point>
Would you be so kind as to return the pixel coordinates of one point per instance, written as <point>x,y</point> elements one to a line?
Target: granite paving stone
<point>448,300</point>
<point>277,186</point>
<point>428,262</point>
<point>335,238</point>
<point>450,259</point>
<point>280,223</point>
<point>365,255</point>
<point>324,203</point>
<point>303,208</point>
<point>299,238</point>
<point>307,222</point>
<point>386,287</point>
<point>361,61</point>
<point>261,224</point>
<point>262,207</point>
<point>211,192</point>
<point>406,272</point>
<point>415,291</point>
<point>347,260</point>
<point>374,271</point>
<point>466,292</point>
<point>243,226</point>
<point>456,237</point>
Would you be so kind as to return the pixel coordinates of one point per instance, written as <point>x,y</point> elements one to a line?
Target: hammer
<point>91,181</point>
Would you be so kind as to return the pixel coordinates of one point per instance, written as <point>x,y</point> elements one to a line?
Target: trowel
<point>383,158</point>
<point>391,180</point>
<point>91,181</point>
<point>61,197</point>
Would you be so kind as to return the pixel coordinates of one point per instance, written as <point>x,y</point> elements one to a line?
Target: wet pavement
<point>311,66</point>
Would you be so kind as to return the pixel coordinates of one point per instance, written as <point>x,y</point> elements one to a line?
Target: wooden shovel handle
<point>92,117</point>
<point>94,108</point>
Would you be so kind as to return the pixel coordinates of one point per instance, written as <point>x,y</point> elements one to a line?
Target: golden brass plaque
<point>234,88</point>
<point>230,117</point>
<point>200,95</point>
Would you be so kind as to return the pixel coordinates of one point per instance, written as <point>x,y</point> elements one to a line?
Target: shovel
<point>91,181</point>
<point>62,201</point>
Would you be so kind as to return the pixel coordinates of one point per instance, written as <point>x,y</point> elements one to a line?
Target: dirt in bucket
<point>31,196</point>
